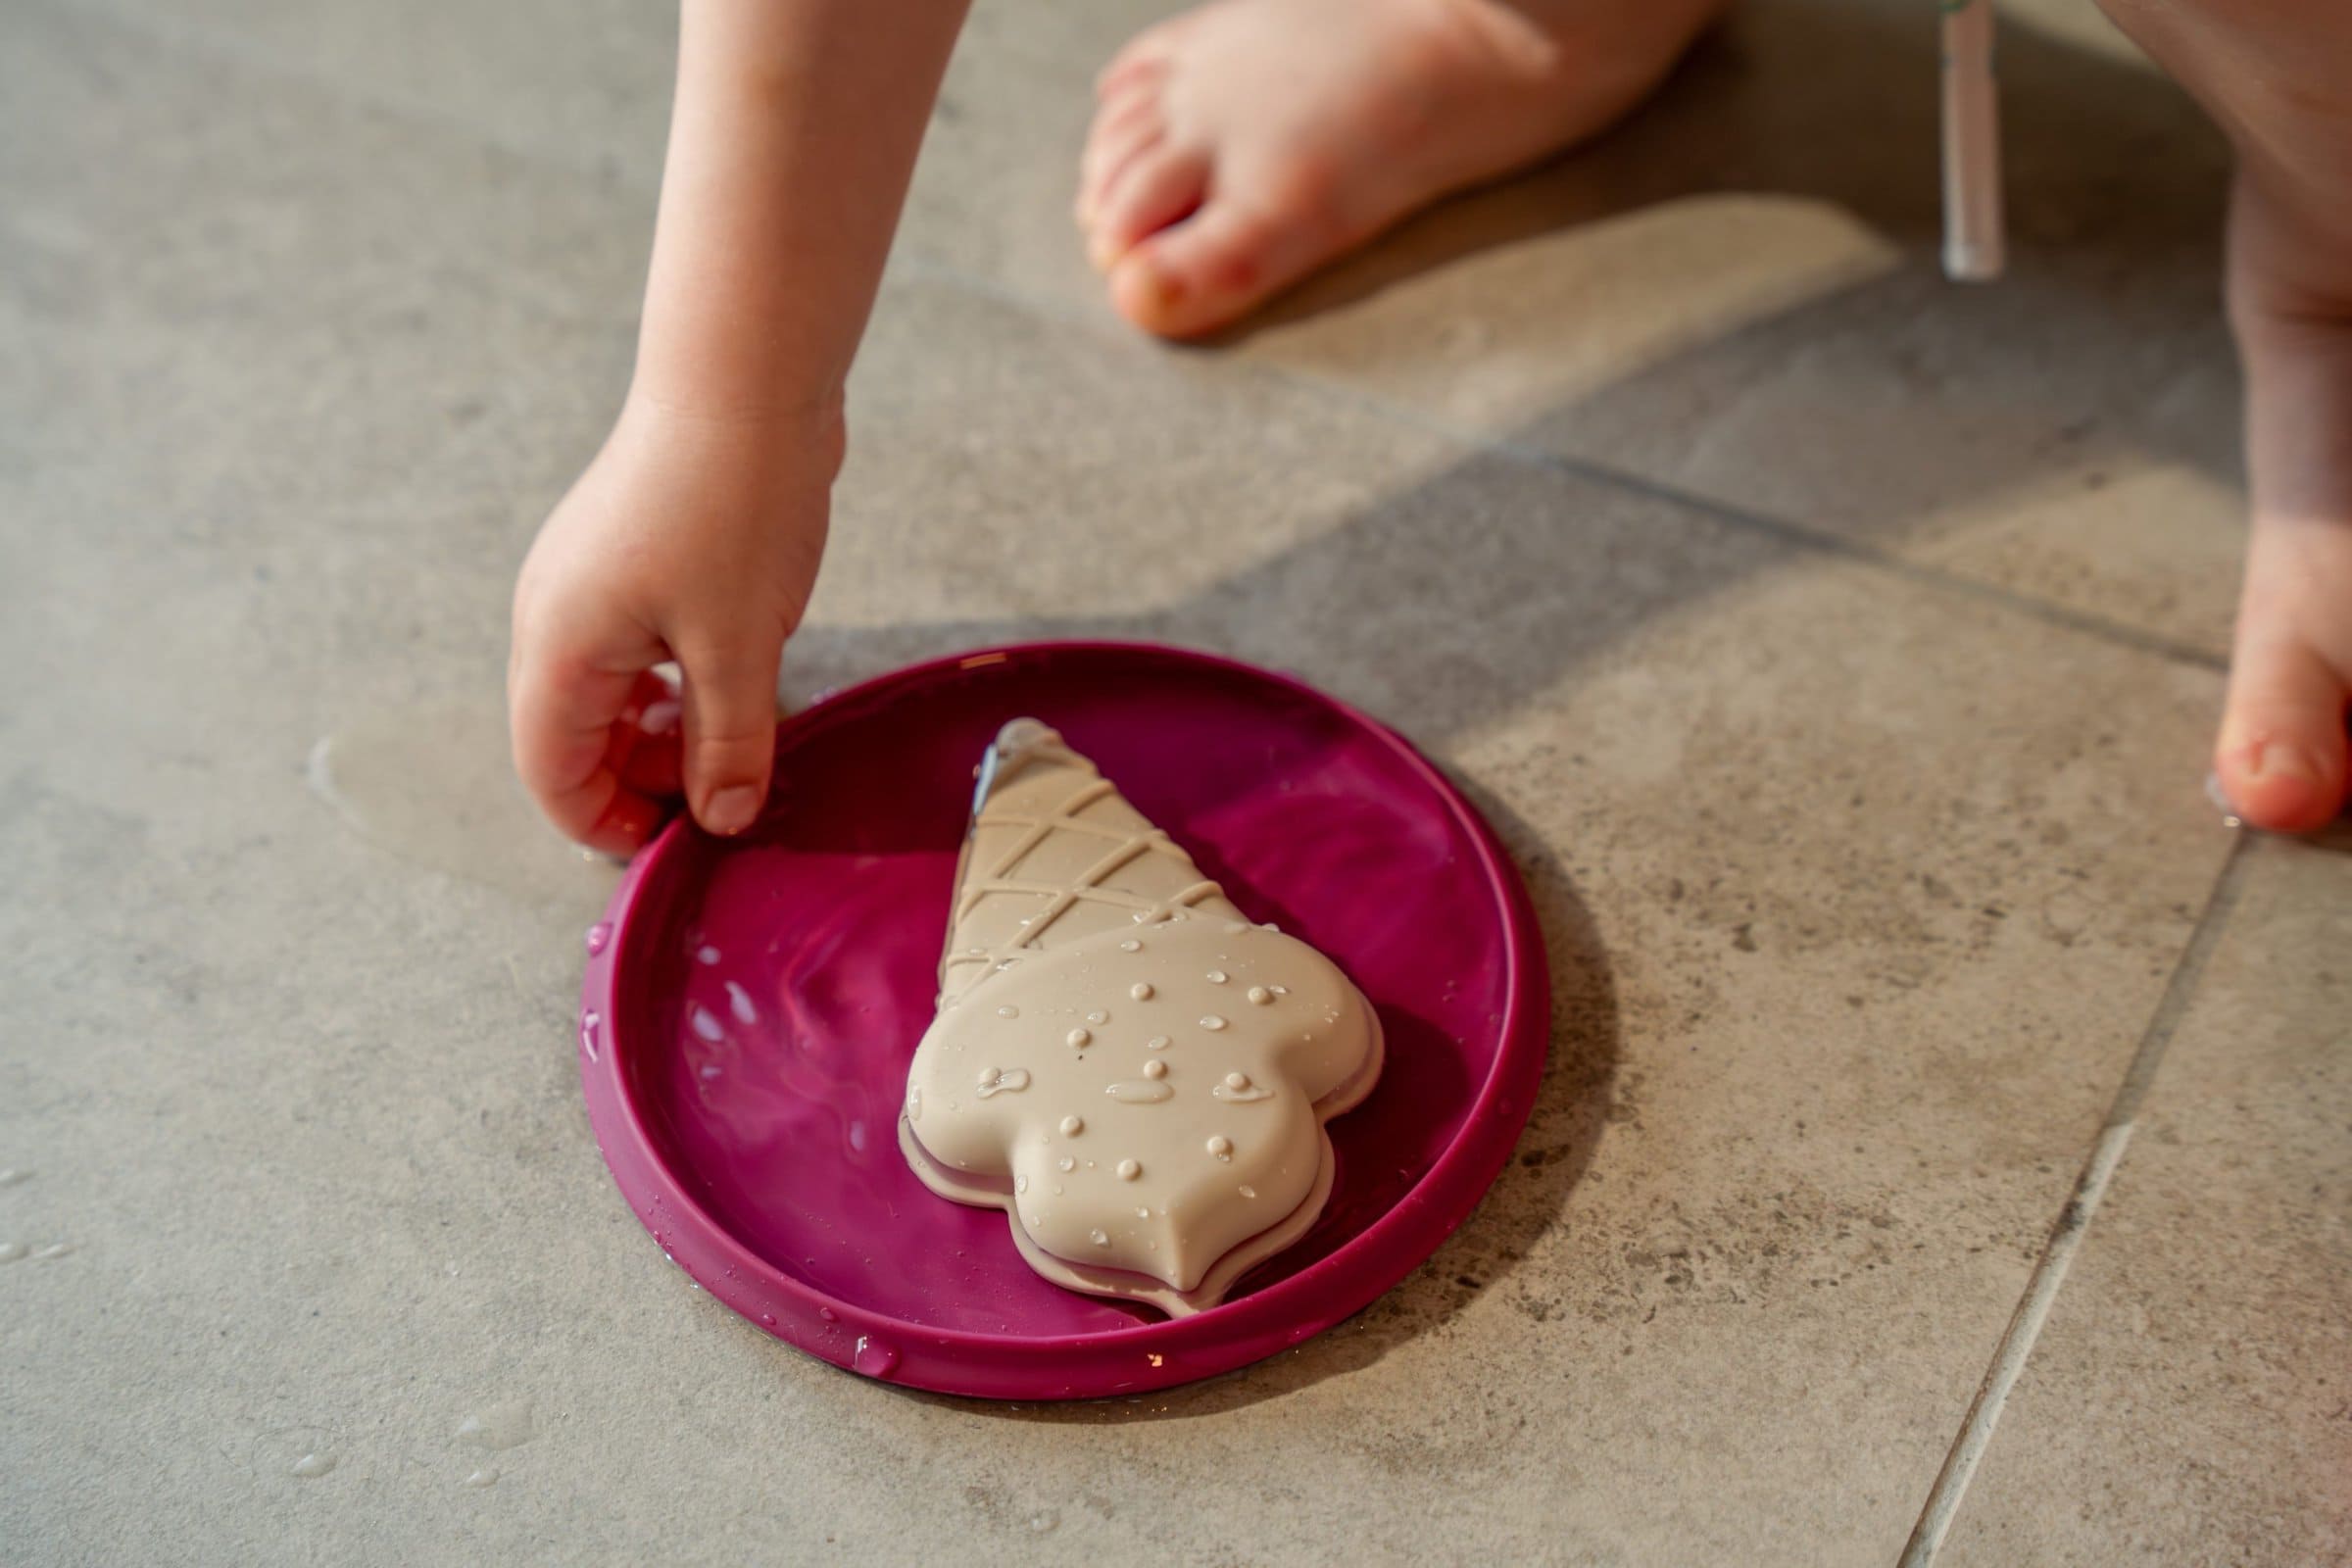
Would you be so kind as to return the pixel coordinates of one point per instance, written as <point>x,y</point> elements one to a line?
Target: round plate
<point>751,1007</point>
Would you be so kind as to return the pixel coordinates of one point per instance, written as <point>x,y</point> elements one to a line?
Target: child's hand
<point>688,538</point>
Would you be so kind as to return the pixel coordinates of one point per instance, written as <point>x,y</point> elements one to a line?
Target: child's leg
<point>2277,75</point>
<point>1244,144</point>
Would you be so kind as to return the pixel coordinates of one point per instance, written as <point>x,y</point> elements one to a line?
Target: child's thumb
<point>731,697</point>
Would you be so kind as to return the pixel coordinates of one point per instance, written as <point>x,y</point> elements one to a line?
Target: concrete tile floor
<point>1834,650</point>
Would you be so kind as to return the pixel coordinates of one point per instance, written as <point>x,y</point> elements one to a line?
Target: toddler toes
<point>1211,268</point>
<point>2281,757</point>
<point>1159,188</point>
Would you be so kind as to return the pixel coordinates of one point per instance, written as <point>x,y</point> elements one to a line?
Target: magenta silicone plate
<point>751,1007</point>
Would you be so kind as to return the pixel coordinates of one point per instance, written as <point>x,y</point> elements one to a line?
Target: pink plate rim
<point>1122,1361</point>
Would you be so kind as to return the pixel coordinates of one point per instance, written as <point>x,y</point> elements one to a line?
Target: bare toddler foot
<point>1242,145</point>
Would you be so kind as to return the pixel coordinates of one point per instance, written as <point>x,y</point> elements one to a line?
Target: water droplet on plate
<point>1072,1126</point>
<point>1210,1021</point>
<point>876,1359</point>
<point>1221,1147</point>
<point>1216,977</point>
<point>486,1476</point>
<point>1098,1238</point>
<point>1079,1038</point>
<point>590,1022</point>
<point>1128,1170</point>
<point>1008,1010</point>
<point>1156,1068</point>
<point>311,1466</point>
<point>1260,995</point>
<point>1141,990</point>
<point>1131,945</point>
<point>598,936</point>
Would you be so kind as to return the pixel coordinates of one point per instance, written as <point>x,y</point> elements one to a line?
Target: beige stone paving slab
<point>1859,891</point>
<point>1734,295</point>
<point>2190,1398</point>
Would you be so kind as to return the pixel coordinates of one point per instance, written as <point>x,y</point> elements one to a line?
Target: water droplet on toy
<point>599,935</point>
<point>1216,977</point>
<point>1156,1068</point>
<point>590,1022</point>
<point>1003,1081</point>
<point>1072,1126</point>
<point>1210,1020</point>
<point>1156,1043</point>
<point>768,1320</point>
<point>1020,1184</point>
<point>1141,990</point>
<point>1008,1010</point>
<point>1221,1147</point>
<point>1098,1238</point>
<point>705,1024</point>
<point>739,1003</point>
<point>1280,991</point>
<point>874,1357</point>
<point>915,1104</point>
<point>484,1477</point>
<point>1131,945</point>
<point>1098,1016</point>
<point>1068,1163</point>
<point>1079,1038</point>
<point>1236,1080</point>
<point>311,1466</point>
<point>826,1312</point>
<point>706,954</point>
<point>1249,1192</point>
<point>1128,1170</point>
<point>1260,995</point>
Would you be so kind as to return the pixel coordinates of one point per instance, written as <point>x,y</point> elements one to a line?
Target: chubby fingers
<point>730,714</point>
<point>563,707</point>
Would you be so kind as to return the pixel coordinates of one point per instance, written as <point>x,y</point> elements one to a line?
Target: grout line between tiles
<point>1797,535</point>
<point>2017,1341</point>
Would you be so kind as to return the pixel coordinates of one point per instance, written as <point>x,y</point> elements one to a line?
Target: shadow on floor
<point>2105,336</point>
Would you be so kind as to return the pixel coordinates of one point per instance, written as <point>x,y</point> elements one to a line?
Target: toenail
<point>2281,760</point>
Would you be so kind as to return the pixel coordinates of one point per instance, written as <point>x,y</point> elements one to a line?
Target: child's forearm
<point>793,134</point>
